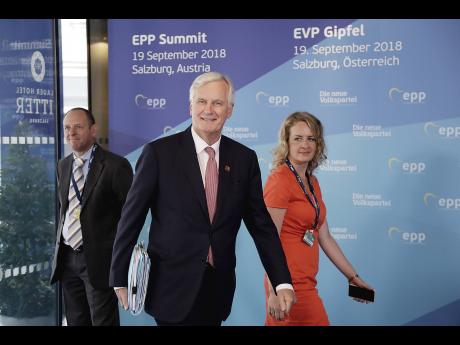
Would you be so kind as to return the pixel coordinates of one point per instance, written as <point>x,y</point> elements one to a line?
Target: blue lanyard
<point>315,205</point>
<point>74,183</point>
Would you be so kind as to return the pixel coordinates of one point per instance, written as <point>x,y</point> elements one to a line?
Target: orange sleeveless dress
<point>283,191</point>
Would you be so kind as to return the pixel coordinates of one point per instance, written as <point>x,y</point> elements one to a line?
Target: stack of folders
<point>138,278</point>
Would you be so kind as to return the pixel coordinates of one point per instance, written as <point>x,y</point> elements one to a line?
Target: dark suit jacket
<point>168,182</point>
<point>104,194</point>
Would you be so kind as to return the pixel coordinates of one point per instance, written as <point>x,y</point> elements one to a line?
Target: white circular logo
<point>37,66</point>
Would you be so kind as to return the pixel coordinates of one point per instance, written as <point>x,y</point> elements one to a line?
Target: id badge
<point>77,212</point>
<point>309,238</point>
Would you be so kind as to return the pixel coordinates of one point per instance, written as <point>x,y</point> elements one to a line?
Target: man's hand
<point>122,294</point>
<point>287,299</point>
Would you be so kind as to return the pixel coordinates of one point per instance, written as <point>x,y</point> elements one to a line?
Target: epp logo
<point>167,130</point>
<point>406,236</point>
<point>427,197</point>
<point>139,40</point>
<point>408,97</point>
<point>445,203</point>
<point>448,132</point>
<point>144,102</point>
<point>406,167</point>
<point>272,101</point>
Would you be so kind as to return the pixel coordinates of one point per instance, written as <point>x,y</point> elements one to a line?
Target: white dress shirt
<point>202,155</point>
<point>86,156</point>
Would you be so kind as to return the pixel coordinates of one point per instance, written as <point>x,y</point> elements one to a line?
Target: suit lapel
<point>65,182</point>
<point>224,187</point>
<point>187,155</point>
<point>95,170</point>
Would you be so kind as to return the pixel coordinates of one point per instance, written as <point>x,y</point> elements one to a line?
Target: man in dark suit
<point>198,185</point>
<point>92,184</point>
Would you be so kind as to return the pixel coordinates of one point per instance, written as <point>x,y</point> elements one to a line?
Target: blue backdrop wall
<point>388,95</point>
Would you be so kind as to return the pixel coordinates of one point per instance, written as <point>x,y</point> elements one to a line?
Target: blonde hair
<point>208,77</point>
<point>281,152</point>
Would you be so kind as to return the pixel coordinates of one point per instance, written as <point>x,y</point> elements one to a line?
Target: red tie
<point>210,186</point>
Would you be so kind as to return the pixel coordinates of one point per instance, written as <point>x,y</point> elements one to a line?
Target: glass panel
<point>74,55</point>
<point>74,74</point>
<point>27,171</point>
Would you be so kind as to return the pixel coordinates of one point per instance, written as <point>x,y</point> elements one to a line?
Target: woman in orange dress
<point>293,198</point>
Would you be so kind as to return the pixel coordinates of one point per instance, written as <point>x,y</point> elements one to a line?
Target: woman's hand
<point>361,283</point>
<point>274,308</point>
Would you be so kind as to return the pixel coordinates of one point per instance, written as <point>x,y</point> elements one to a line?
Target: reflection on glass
<point>27,172</point>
